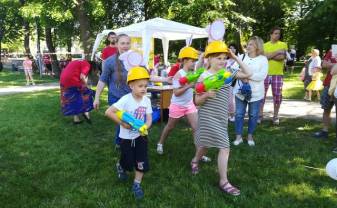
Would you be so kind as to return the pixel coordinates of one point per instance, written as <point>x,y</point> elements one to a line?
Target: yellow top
<point>275,67</point>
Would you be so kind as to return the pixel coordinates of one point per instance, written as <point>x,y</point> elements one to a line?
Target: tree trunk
<point>51,49</point>
<point>27,36</point>
<point>146,9</point>
<point>83,19</point>
<point>26,32</point>
<point>69,44</point>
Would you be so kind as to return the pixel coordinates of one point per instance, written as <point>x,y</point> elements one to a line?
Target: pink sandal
<point>229,189</point>
<point>194,167</point>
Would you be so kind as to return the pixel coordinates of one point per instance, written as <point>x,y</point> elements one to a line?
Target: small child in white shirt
<point>133,144</point>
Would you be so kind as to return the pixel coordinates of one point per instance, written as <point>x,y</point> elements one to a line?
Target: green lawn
<point>45,161</point>
<point>293,86</point>
<point>9,79</point>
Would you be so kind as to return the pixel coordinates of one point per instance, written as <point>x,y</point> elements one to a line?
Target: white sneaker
<point>237,142</point>
<point>160,149</point>
<point>251,142</point>
<point>231,118</point>
<point>206,159</point>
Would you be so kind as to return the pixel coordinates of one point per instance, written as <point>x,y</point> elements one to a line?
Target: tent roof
<point>162,29</point>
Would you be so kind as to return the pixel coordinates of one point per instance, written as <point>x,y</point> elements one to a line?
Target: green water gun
<point>215,81</point>
<point>191,76</point>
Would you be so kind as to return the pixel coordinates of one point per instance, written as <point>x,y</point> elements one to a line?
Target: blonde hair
<point>315,52</point>
<point>259,44</point>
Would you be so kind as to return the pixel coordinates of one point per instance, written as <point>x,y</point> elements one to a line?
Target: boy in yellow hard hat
<point>133,144</point>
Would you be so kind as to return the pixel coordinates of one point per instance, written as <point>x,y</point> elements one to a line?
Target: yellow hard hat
<point>188,52</point>
<point>217,46</point>
<point>137,73</point>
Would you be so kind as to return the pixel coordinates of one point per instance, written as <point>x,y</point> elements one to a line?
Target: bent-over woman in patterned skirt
<point>213,113</point>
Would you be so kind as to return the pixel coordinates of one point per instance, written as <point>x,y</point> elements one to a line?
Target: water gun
<point>191,76</point>
<point>215,81</point>
<point>133,122</point>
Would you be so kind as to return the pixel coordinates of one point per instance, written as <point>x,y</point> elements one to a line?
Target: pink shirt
<point>27,64</point>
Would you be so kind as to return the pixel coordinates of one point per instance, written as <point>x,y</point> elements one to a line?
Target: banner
<point>136,44</point>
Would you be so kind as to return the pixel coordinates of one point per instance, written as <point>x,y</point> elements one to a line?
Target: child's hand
<point>125,125</point>
<point>211,94</point>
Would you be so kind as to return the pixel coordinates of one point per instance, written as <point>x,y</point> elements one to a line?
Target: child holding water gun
<point>133,141</point>
<point>213,113</point>
<point>182,98</point>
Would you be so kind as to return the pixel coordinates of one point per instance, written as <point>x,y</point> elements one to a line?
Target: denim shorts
<point>326,101</point>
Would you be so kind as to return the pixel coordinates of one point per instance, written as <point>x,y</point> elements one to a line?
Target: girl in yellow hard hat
<point>134,153</point>
<point>182,99</point>
<point>213,113</point>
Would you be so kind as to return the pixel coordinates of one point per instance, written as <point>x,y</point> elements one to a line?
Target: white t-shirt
<point>259,68</point>
<point>187,97</point>
<point>316,62</point>
<point>137,109</point>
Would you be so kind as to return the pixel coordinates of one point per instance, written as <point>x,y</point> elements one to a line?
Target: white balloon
<point>131,59</point>
<point>134,58</point>
<point>217,30</point>
<point>331,168</point>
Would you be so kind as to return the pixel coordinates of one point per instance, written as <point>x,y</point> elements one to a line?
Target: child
<point>213,113</point>
<point>316,84</point>
<point>28,68</point>
<point>182,99</point>
<point>133,145</point>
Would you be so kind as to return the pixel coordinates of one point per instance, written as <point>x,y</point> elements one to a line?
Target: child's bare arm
<point>182,90</point>
<point>111,113</point>
<point>148,120</point>
<point>201,98</point>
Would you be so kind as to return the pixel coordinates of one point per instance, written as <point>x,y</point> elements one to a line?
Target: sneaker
<point>259,120</point>
<point>321,134</point>
<point>231,118</point>
<point>276,121</point>
<point>206,159</point>
<point>237,142</point>
<point>251,142</point>
<point>121,174</point>
<point>137,191</point>
<point>334,150</point>
<point>160,149</point>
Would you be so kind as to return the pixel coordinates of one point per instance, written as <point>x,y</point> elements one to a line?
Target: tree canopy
<point>305,23</point>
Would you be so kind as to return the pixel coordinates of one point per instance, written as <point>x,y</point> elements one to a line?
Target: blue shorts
<point>134,154</point>
<point>327,101</point>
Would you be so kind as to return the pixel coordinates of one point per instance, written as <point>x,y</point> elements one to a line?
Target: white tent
<point>163,29</point>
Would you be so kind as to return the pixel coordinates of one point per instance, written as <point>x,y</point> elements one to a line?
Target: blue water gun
<point>133,122</point>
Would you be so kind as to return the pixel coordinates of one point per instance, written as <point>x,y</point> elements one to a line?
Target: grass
<point>45,161</point>
<point>293,86</point>
<point>9,79</point>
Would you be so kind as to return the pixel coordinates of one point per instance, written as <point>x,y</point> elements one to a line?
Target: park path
<point>24,89</point>
<point>289,108</point>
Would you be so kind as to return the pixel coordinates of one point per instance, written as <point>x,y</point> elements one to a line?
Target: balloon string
<point>313,168</point>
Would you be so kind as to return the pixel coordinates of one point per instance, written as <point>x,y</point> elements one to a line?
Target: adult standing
<point>291,62</point>
<point>334,72</point>
<point>76,97</point>
<point>258,65</point>
<point>230,63</point>
<point>47,63</point>
<point>275,51</point>
<point>326,101</point>
<point>114,75</point>
<point>110,48</point>
<point>311,66</point>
